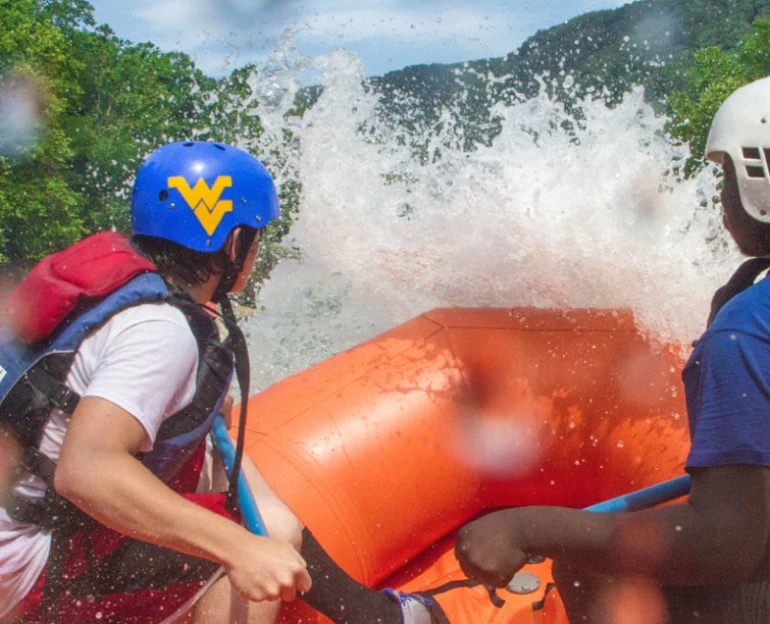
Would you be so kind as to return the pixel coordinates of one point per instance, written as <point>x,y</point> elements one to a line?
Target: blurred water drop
<point>21,109</point>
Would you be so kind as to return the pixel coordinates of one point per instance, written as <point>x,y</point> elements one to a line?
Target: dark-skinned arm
<point>99,473</point>
<point>719,535</point>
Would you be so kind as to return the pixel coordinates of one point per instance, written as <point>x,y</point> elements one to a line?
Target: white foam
<point>560,221</point>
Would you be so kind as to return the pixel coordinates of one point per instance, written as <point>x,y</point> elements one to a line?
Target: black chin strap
<point>227,281</point>
<point>237,343</point>
<point>742,279</point>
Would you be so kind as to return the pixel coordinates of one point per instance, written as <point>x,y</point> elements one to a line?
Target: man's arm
<point>98,472</point>
<point>719,535</point>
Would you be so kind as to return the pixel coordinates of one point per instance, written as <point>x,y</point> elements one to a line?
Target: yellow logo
<point>204,201</point>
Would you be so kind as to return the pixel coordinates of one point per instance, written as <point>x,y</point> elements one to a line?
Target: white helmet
<point>741,128</point>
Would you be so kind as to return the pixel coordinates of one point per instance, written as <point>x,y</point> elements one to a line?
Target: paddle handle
<point>252,519</point>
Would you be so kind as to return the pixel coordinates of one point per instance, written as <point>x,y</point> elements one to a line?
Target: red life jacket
<point>57,285</point>
<point>63,299</point>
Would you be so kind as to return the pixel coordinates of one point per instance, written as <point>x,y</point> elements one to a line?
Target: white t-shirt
<point>144,360</point>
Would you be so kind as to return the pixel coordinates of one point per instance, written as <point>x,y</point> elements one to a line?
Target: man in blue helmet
<point>112,410</point>
<point>706,560</point>
<point>111,373</point>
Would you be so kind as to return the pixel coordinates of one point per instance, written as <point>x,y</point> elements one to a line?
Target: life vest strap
<point>25,511</point>
<point>58,394</point>
<point>39,464</point>
<point>50,512</point>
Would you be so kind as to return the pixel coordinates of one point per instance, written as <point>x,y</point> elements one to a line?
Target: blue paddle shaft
<point>646,497</point>
<point>252,519</point>
<point>633,501</point>
<point>640,499</point>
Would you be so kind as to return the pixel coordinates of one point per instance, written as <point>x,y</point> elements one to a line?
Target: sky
<point>221,35</point>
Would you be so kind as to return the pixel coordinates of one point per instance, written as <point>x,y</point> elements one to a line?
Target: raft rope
<point>493,597</point>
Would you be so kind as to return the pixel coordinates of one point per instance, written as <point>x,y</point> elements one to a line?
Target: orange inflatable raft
<point>385,450</point>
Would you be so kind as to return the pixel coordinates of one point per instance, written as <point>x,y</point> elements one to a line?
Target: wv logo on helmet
<point>204,201</point>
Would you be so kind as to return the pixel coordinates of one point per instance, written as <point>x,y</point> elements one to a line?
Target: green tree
<point>38,213</point>
<point>714,76</point>
<point>104,104</point>
<point>132,99</point>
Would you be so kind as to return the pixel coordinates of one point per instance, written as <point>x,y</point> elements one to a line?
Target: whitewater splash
<point>540,218</point>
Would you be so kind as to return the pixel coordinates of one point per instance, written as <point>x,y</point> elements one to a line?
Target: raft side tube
<point>383,451</point>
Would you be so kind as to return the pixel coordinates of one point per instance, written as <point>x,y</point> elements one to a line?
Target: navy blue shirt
<point>727,384</point>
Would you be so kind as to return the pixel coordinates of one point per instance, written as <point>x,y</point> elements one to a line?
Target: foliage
<point>715,75</point>
<point>33,60</point>
<point>103,105</point>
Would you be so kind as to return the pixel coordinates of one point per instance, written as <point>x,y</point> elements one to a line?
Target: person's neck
<point>200,293</point>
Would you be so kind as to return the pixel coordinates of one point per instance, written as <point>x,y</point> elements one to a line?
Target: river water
<point>539,218</point>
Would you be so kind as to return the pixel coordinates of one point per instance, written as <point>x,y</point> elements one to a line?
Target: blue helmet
<point>195,193</point>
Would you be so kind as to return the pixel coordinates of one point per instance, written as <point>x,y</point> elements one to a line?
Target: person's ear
<point>232,244</point>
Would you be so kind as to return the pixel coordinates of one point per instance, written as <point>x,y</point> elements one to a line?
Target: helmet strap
<point>236,341</point>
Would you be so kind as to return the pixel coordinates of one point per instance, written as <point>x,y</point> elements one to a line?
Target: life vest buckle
<point>64,399</point>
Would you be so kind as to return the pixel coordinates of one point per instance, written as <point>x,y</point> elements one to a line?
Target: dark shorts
<point>744,603</point>
<point>112,579</point>
<point>747,603</point>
